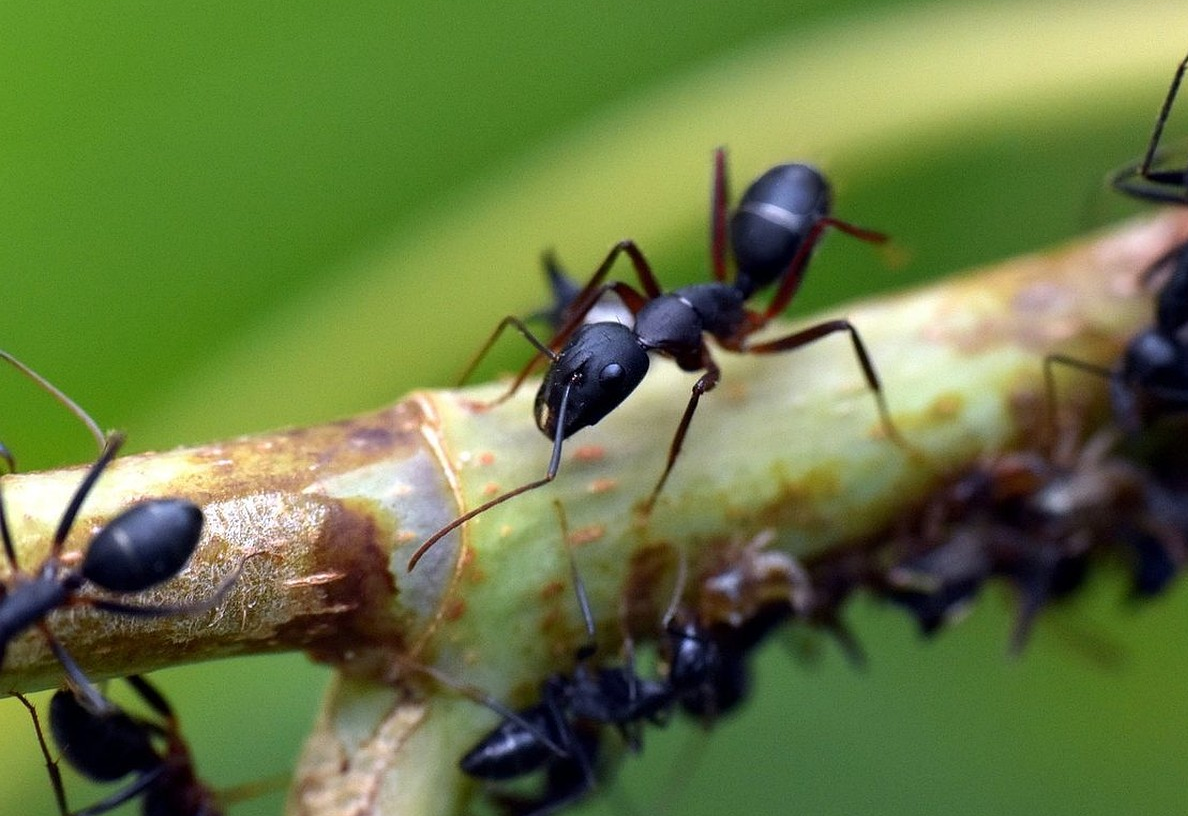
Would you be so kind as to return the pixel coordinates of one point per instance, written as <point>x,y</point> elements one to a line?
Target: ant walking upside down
<point>593,367</point>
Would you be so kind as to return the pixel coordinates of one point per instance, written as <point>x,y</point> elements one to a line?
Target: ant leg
<point>705,383</point>
<point>541,349</point>
<point>550,474</point>
<point>1124,405</point>
<point>1127,180</point>
<point>794,275</point>
<point>574,315</point>
<point>593,289</point>
<point>51,765</point>
<point>719,204</point>
<point>57,394</point>
<point>489,702</point>
<point>80,685</point>
<point>143,782</point>
<point>151,695</point>
<point>111,447</point>
<point>587,650</point>
<point>814,333</point>
<point>168,610</point>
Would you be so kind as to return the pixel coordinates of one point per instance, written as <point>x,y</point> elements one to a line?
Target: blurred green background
<point>231,217</point>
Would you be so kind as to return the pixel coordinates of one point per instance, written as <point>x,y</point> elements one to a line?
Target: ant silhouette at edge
<point>594,367</point>
<point>1151,380</point>
<point>109,745</point>
<point>144,545</point>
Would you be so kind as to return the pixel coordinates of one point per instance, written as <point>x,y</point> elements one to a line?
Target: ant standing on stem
<point>143,546</point>
<point>595,366</point>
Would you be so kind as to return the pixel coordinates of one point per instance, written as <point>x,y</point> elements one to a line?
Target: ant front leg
<point>705,383</point>
<point>1125,407</point>
<point>541,350</point>
<point>814,333</point>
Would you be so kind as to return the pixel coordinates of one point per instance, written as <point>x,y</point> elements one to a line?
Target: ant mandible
<point>595,366</point>
<point>111,744</point>
<point>1152,378</point>
<point>145,545</point>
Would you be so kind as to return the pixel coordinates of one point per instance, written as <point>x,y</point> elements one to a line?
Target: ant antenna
<point>55,392</point>
<point>579,587</point>
<point>550,474</point>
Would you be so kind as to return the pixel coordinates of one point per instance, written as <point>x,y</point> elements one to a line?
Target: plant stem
<point>329,515</point>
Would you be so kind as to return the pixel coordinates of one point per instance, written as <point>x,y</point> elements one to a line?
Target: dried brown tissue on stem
<point>789,443</point>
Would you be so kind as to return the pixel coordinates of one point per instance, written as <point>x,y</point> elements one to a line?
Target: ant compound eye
<point>611,374</point>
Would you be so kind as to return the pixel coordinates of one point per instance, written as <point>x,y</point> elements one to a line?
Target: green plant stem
<point>328,516</point>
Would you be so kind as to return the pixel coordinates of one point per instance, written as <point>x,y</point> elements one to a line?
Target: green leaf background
<point>230,217</point>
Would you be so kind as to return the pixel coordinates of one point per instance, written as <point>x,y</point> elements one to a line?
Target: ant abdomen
<point>773,218</point>
<point>143,546</point>
<point>102,747</point>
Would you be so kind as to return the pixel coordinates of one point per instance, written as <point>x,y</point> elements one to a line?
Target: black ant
<point>111,744</point>
<point>145,545</point>
<point>561,734</point>
<point>1152,379</point>
<point>595,366</point>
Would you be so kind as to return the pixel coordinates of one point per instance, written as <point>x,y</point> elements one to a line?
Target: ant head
<point>103,747</point>
<point>146,544</point>
<point>600,365</point>
<point>774,216</point>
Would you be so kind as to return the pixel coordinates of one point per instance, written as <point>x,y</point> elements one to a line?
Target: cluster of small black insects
<point>143,546</point>
<point>705,658</point>
<point>1035,518</point>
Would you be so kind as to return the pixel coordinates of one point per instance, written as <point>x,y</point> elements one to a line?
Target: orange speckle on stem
<point>455,608</point>
<point>603,485</point>
<point>586,535</point>
<point>946,407</point>
<point>589,453</point>
<point>491,489</point>
<point>486,458</point>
